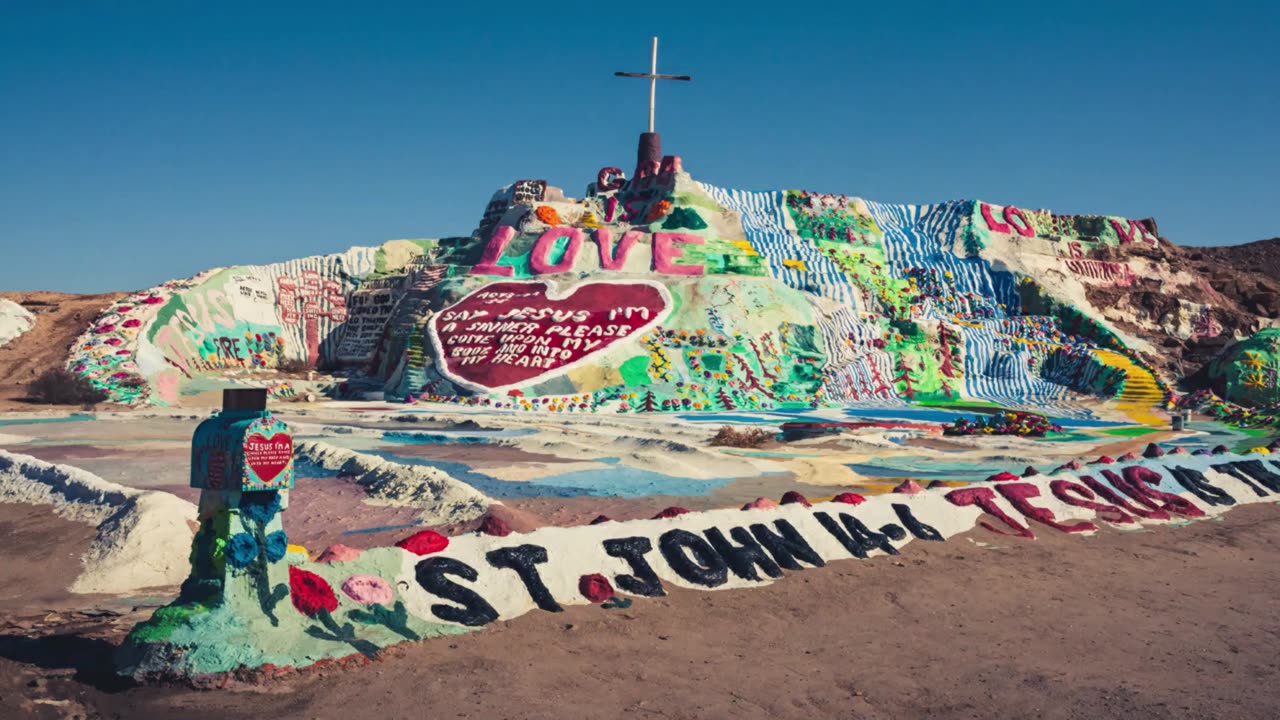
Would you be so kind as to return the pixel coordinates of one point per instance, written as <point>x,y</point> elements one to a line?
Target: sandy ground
<point>1172,622</point>
<point>60,318</point>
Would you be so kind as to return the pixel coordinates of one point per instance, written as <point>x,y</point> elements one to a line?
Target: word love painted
<point>480,579</point>
<point>667,249</point>
<point>511,334</point>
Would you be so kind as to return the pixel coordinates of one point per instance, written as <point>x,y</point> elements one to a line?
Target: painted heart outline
<point>266,462</point>
<point>551,297</point>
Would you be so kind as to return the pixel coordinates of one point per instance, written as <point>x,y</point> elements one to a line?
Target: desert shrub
<point>296,366</point>
<point>752,437</point>
<point>59,386</point>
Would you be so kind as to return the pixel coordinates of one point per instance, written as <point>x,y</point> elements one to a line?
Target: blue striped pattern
<point>850,358</point>
<point>996,370</point>
<point>915,236</point>
<point>767,227</point>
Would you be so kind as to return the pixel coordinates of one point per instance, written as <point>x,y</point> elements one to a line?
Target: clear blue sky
<point>143,141</point>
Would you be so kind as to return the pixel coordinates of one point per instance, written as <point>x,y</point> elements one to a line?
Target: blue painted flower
<point>260,506</point>
<point>277,545</point>
<point>242,550</point>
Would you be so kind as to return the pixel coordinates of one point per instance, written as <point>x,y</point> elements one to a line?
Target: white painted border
<point>554,292</point>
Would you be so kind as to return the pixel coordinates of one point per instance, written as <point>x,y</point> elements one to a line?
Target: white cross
<point>653,77</point>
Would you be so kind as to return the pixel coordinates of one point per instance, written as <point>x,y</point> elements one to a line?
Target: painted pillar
<point>242,462</point>
<point>648,154</point>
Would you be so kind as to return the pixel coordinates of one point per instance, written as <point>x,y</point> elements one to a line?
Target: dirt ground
<point>1173,622</point>
<point>60,319</point>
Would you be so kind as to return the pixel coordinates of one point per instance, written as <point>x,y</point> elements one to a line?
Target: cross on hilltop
<point>650,150</point>
<point>653,77</point>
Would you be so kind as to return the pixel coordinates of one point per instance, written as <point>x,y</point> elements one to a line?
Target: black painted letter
<point>524,560</point>
<point>743,559</point>
<point>644,581</point>
<point>786,545</point>
<point>475,610</point>
<point>692,558</point>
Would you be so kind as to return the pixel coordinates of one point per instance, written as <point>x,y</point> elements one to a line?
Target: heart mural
<point>265,458</point>
<point>511,334</point>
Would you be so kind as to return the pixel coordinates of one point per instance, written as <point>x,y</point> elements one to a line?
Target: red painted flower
<point>849,498</point>
<point>113,341</point>
<point>104,328</point>
<point>310,593</point>
<point>153,300</point>
<point>791,497</point>
<point>424,543</point>
<point>131,323</point>
<point>595,587</point>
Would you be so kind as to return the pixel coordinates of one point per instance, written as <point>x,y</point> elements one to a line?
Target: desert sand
<point>1172,622</point>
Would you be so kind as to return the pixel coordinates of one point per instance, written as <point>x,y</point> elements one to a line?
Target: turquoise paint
<point>73,417</point>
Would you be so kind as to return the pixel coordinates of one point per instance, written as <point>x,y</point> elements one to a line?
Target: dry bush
<point>294,366</point>
<point>752,437</point>
<point>59,386</point>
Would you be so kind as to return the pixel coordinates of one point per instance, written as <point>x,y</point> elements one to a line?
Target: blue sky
<point>143,141</point>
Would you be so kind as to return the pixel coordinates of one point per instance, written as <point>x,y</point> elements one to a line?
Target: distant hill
<point>661,293</point>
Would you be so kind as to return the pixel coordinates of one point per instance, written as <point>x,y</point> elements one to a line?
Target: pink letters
<point>1019,495</point>
<point>611,258</point>
<point>667,249</point>
<point>992,223</point>
<point>1024,228</point>
<point>985,498</point>
<point>539,260</point>
<point>665,252</point>
<point>1021,225</point>
<point>488,264</point>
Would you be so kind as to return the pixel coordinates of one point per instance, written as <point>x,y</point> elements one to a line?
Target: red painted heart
<point>509,334</point>
<point>268,458</point>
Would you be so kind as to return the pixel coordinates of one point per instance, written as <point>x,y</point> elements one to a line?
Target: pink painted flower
<point>104,328</point>
<point>113,342</point>
<point>368,590</point>
<point>132,323</point>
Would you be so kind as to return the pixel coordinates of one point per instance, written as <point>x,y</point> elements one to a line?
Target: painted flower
<point>595,587</point>
<point>368,590</point>
<point>424,543</point>
<point>548,215</point>
<point>310,593</point>
<point>277,546</point>
<point>260,507</point>
<point>131,323</point>
<point>241,550</point>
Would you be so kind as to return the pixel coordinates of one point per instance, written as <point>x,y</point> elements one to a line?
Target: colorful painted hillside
<point>664,294</point>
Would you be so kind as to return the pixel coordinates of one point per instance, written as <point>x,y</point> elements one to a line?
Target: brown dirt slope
<point>1258,258</point>
<point>1241,283</point>
<point>1168,623</point>
<point>60,318</point>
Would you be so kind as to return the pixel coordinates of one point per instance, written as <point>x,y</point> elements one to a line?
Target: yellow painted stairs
<point>1140,394</point>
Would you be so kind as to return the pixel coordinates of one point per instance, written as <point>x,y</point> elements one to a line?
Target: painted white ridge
<point>14,320</point>
<point>574,552</point>
<point>144,536</point>
<point>441,498</point>
<point>555,291</point>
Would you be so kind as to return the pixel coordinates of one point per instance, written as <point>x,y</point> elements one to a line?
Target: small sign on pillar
<point>244,448</point>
